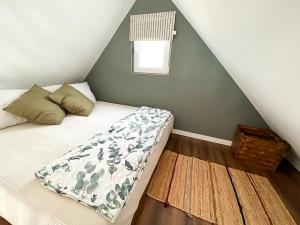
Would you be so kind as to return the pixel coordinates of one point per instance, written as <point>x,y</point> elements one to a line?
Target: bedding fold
<point>102,172</point>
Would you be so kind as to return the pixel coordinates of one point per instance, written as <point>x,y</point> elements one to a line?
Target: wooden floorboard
<point>3,221</point>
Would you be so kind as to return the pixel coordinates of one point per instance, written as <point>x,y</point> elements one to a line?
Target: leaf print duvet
<point>102,172</point>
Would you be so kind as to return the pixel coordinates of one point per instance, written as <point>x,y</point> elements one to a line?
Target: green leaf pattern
<point>102,172</point>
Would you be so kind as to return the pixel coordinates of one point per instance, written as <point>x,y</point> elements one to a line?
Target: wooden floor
<point>3,222</point>
<point>286,181</point>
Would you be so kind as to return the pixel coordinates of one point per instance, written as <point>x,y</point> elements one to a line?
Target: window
<point>151,57</point>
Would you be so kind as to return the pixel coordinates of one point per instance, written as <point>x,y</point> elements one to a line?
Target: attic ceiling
<point>51,42</point>
<point>257,42</point>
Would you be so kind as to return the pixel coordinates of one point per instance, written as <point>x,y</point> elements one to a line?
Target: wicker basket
<point>259,147</point>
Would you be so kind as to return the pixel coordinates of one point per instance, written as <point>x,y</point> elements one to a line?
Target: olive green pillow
<point>72,100</point>
<point>34,105</point>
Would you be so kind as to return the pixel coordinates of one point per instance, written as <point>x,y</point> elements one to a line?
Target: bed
<point>26,148</point>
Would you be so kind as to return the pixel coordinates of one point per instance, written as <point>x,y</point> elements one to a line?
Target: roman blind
<point>152,26</point>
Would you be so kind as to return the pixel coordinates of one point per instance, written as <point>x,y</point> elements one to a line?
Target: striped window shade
<point>152,26</point>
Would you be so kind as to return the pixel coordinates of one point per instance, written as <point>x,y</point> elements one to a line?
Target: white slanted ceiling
<point>50,42</point>
<point>258,42</point>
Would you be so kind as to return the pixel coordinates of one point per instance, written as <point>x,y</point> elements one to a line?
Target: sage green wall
<point>200,93</point>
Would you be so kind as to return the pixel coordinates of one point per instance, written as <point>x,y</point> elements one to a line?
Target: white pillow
<point>82,87</point>
<point>6,97</point>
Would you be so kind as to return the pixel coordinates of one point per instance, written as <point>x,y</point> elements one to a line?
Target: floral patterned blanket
<point>102,172</point>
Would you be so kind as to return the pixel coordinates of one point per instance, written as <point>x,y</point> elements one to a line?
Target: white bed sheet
<point>26,148</point>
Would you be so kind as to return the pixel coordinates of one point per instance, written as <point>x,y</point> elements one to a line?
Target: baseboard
<point>294,160</point>
<point>202,137</point>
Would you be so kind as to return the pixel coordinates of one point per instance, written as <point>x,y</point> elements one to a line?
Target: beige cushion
<point>72,100</point>
<point>34,105</point>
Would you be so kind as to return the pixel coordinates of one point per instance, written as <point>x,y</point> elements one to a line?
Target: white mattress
<point>26,148</point>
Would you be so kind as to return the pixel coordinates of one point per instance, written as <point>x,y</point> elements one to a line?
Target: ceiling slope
<point>49,42</point>
<point>258,42</point>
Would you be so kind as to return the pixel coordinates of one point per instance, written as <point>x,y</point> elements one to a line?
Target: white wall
<point>258,42</point>
<point>54,41</point>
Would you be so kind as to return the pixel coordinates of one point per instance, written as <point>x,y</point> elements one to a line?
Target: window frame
<point>150,73</point>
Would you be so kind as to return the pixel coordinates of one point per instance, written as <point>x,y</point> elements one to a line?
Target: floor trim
<point>202,137</point>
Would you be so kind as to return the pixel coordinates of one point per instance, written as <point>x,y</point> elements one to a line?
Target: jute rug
<point>252,208</point>
<point>160,183</point>
<point>275,209</point>
<point>217,194</point>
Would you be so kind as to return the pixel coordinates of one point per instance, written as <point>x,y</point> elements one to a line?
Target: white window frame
<point>136,69</point>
